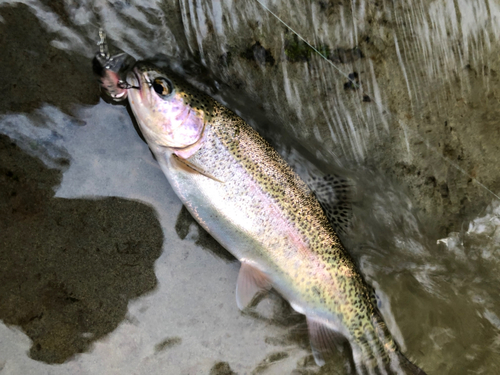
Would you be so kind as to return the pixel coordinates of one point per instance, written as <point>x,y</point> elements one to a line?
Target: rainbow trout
<point>251,201</point>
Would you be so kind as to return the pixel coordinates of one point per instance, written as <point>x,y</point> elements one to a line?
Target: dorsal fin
<point>335,195</point>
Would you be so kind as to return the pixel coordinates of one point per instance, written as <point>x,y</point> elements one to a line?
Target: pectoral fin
<point>191,167</point>
<point>324,340</point>
<point>250,282</point>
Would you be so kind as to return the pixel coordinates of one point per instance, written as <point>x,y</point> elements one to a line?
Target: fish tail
<point>407,366</point>
<point>395,364</point>
<point>381,352</point>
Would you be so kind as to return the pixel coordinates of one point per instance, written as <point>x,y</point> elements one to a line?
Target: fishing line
<point>426,142</point>
<point>310,45</point>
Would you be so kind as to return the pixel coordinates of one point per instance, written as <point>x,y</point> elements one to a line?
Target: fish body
<point>251,201</point>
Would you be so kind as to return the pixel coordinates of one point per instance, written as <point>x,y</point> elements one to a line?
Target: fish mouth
<point>134,79</point>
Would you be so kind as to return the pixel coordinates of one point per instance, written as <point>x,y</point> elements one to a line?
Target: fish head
<point>170,112</point>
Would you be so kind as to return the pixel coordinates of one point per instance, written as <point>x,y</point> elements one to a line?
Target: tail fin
<point>408,367</point>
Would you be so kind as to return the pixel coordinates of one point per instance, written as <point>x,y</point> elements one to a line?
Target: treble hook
<point>103,46</point>
<point>112,70</point>
<point>125,85</point>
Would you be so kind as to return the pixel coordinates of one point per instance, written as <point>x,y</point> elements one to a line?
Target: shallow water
<point>134,285</point>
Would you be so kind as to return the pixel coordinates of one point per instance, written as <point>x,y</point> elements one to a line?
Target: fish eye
<point>162,86</point>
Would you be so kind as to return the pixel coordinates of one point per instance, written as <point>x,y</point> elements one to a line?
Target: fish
<point>242,192</point>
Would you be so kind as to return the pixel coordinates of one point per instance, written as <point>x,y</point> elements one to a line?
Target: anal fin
<point>250,282</point>
<point>324,340</point>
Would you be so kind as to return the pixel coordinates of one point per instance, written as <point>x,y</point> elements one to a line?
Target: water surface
<point>115,277</point>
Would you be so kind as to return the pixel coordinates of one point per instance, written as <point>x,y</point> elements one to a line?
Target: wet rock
<point>296,50</point>
<point>345,56</point>
<point>258,54</point>
<point>221,368</point>
<point>203,239</point>
<point>330,6</point>
<point>167,344</point>
<point>270,360</point>
<point>68,267</point>
<point>226,59</point>
<point>353,84</point>
<point>445,192</point>
<point>43,73</point>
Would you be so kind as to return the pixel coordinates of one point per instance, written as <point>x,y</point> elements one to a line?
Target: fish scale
<point>233,151</point>
<point>251,201</point>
